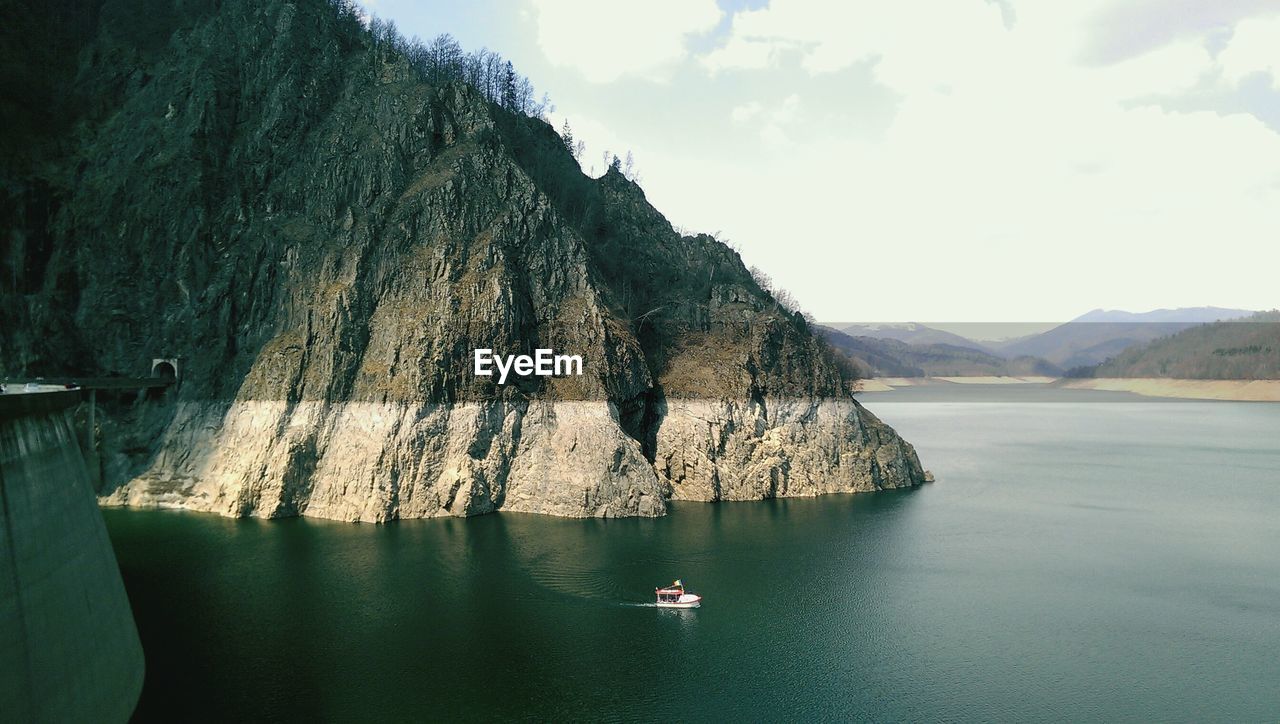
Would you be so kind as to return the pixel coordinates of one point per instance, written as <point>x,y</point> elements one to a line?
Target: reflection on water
<point>1073,561</point>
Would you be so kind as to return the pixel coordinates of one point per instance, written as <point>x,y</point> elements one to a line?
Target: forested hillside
<point>876,357</point>
<point>1244,349</point>
<point>1102,334</point>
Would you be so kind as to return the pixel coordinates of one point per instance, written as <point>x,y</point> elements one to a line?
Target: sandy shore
<point>997,380</point>
<point>1243,390</point>
<point>882,384</point>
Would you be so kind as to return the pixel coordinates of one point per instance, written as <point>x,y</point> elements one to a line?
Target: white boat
<point>674,596</point>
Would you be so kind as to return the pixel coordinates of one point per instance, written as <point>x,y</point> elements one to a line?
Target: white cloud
<point>913,42</point>
<point>742,54</point>
<point>1254,48</point>
<point>934,159</point>
<point>607,39</point>
<point>1123,29</point>
<point>1036,182</point>
<point>774,124</point>
<point>745,112</point>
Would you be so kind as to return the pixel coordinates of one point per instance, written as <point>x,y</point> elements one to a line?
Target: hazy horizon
<point>995,331</point>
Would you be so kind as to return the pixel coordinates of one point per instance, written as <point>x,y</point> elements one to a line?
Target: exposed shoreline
<point>1236,390</point>
<point>1233,390</point>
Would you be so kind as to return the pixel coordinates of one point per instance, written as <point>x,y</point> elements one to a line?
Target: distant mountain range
<point>1099,335</point>
<point>912,333</point>
<point>1181,315</point>
<point>913,349</point>
<point>885,357</point>
<point>1241,349</point>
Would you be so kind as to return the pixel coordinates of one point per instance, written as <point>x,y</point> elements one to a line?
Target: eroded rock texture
<point>324,236</point>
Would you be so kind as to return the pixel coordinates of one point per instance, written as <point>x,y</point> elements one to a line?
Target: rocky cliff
<point>324,237</point>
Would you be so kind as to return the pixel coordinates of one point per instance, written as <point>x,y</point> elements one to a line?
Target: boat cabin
<point>669,595</point>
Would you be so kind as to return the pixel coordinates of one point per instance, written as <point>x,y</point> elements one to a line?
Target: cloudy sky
<point>942,160</point>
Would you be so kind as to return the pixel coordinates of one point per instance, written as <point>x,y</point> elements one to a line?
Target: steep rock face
<point>325,238</point>
<point>779,448</point>
<point>378,461</point>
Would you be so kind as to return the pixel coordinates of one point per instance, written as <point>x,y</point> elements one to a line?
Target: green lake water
<point>1078,558</point>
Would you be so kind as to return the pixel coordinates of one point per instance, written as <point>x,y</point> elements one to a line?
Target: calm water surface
<point>1075,560</point>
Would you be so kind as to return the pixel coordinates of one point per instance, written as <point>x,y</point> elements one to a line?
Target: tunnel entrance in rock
<point>165,369</point>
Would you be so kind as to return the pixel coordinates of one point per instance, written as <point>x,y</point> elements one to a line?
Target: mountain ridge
<point>881,357</point>
<point>1187,315</point>
<point>1101,334</point>
<point>911,333</point>
<point>1237,349</point>
<point>325,261</point>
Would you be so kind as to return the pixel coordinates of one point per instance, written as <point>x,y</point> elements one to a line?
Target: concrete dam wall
<point>69,648</point>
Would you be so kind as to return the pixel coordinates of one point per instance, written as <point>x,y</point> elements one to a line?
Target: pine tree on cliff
<point>508,100</point>
<point>566,135</point>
